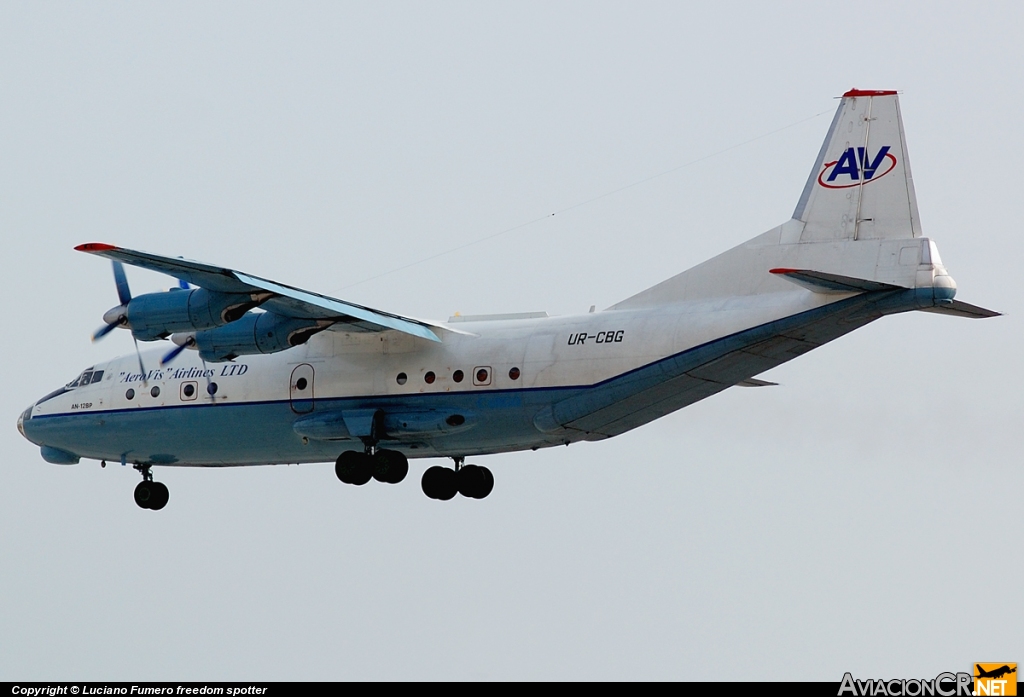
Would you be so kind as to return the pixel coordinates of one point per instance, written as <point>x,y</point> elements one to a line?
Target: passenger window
<point>189,391</point>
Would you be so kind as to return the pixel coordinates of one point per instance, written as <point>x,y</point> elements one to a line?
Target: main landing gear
<point>387,466</point>
<point>150,494</point>
<point>472,481</point>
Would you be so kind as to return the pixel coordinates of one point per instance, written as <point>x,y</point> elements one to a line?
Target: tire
<point>488,483</point>
<point>439,483</point>
<point>354,467</point>
<point>390,466</point>
<point>470,481</point>
<point>160,496</point>
<point>144,495</point>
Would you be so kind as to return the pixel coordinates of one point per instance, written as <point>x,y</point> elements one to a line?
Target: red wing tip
<point>782,271</point>
<point>868,93</point>
<point>95,247</point>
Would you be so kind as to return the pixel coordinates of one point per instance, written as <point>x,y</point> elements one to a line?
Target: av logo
<point>995,678</point>
<point>857,166</point>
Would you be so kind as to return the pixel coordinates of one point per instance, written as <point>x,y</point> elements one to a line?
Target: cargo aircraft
<point>264,373</point>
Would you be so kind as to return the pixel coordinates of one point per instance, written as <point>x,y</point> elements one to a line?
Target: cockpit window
<point>87,377</point>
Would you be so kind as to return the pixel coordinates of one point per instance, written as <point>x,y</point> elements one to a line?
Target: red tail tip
<point>868,93</point>
<point>94,247</point>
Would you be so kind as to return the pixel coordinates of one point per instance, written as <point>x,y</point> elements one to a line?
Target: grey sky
<point>859,517</point>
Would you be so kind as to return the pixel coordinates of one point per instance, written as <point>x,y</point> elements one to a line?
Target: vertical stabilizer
<point>860,187</point>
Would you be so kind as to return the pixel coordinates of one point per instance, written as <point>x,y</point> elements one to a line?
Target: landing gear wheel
<point>354,467</point>
<point>149,494</point>
<point>474,481</point>
<point>390,466</point>
<point>160,496</point>
<point>439,483</point>
<point>144,494</point>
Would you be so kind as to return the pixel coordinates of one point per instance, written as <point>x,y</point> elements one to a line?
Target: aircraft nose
<point>23,420</point>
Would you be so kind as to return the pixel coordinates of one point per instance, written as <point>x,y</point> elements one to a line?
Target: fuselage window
<point>130,394</point>
<point>457,376</point>
<point>429,377</point>
<point>402,378</point>
<point>514,373</point>
<point>155,391</point>
<point>300,384</point>
<point>212,388</point>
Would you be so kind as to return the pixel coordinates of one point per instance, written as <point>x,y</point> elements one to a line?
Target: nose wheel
<point>149,494</point>
<point>471,481</point>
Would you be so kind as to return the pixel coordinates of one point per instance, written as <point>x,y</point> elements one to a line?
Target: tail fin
<point>859,199</point>
<point>860,186</point>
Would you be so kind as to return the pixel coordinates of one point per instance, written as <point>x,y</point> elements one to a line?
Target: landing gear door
<point>301,389</point>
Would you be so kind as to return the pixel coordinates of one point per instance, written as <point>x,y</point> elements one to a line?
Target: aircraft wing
<point>284,300</point>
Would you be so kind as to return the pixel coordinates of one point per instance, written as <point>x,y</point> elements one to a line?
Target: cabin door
<point>301,389</point>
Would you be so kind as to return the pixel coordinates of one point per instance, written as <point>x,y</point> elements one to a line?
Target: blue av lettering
<point>856,160</point>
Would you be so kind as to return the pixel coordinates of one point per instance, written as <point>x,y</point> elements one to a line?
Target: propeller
<point>183,342</point>
<point>116,316</point>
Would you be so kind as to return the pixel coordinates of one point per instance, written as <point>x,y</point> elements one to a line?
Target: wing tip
<point>93,247</point>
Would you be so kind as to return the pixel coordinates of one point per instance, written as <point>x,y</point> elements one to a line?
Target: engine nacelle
<point>260,332</point>
<point>156,315</point>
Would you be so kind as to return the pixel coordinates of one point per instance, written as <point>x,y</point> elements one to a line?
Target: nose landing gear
<point>472,481</point>
<point>149,494</point>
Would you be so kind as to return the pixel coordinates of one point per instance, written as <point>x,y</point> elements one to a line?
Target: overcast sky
<point>860,517</point>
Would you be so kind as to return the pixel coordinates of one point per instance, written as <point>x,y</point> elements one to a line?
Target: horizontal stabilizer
<point>960,309</point>
<point>821,282</point>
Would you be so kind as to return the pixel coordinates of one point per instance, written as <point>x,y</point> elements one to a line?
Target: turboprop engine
<point>256,332</point>
<point>155,316</point>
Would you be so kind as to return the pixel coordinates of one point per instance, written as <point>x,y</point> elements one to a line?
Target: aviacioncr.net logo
<point>943,685</point>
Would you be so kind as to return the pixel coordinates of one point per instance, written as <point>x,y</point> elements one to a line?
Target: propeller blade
<point>121,281</point>
<point>104,330</point>
<point>142,368</point>
<point>172,354</point>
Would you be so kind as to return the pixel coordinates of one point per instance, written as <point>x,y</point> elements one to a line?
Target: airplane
<point>995,673</point>
<point>265,373</point>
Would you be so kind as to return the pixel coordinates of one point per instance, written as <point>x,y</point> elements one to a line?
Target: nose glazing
<point>22,418</point>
